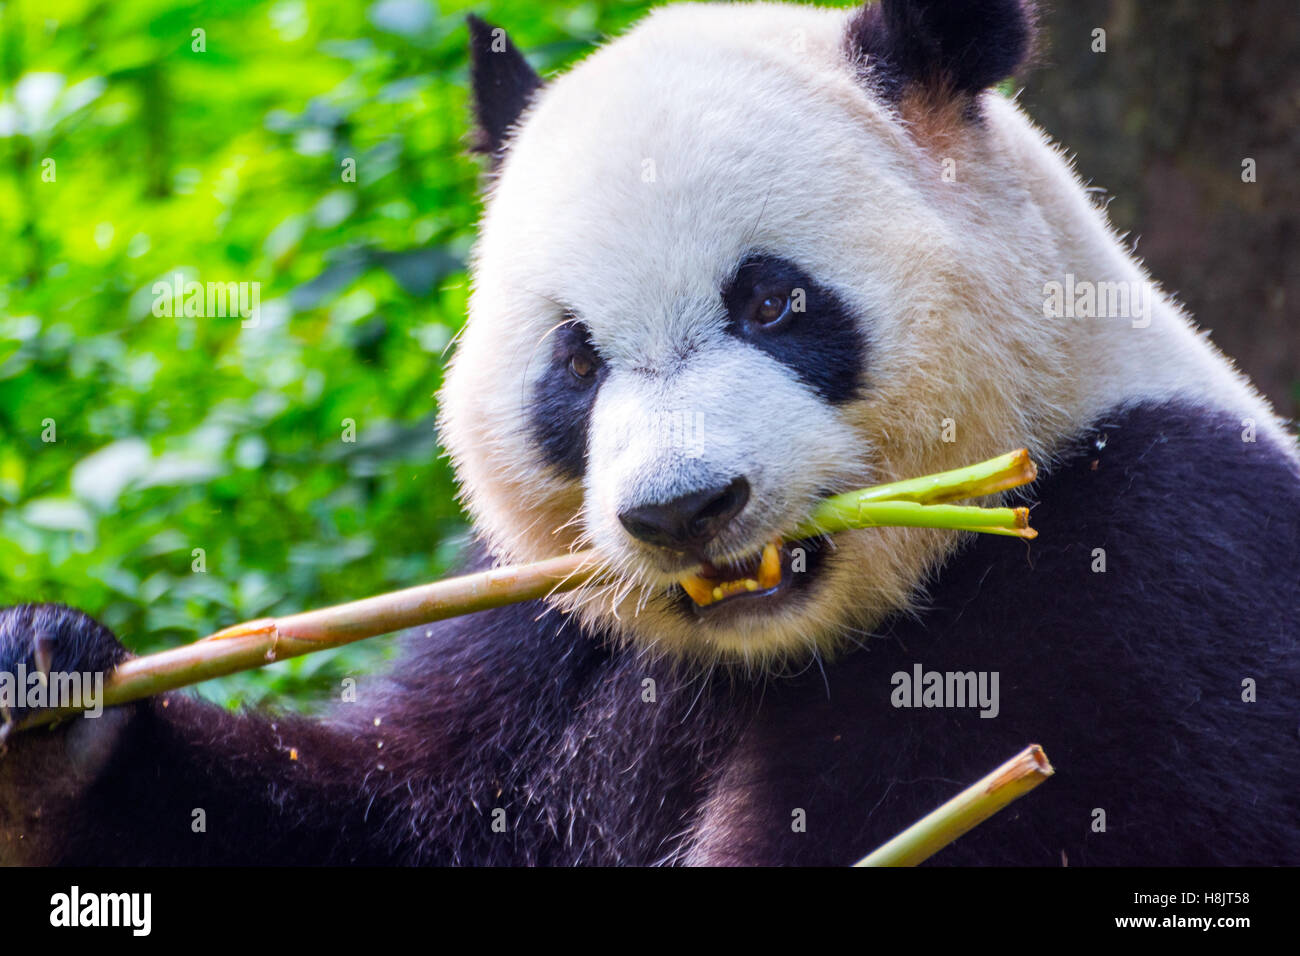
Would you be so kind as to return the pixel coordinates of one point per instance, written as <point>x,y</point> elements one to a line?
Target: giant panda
<point>740,258</point>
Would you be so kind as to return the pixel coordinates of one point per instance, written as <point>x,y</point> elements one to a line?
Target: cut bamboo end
<point>1012,780</point>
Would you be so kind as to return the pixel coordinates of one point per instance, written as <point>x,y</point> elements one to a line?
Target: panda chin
<point>727,592</point>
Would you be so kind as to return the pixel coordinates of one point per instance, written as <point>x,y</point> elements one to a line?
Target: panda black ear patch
<point>502,84</point>
<point>945,46</point>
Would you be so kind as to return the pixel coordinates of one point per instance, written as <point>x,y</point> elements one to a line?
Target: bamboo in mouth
<point>915,502</point>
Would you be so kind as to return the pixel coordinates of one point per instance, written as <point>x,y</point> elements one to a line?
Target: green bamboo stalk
<point>257,643</point>
<point>849,511</point>
<point>1015,778</point>
<point>922,502</point>
<point>973,481</point>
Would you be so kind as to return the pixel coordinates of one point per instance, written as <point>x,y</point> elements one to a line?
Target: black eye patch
<point>816,336</point>
<point>560,414</point>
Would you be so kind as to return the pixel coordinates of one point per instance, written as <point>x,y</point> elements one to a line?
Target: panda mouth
<point>766,574</point>
<point>714,583</point>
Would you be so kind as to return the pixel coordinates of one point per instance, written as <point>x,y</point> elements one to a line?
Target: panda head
<point>720,275</point>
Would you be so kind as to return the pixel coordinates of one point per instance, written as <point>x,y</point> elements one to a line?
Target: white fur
<point>762,137</point>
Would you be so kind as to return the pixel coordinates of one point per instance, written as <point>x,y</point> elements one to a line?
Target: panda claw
<point>43,652</point>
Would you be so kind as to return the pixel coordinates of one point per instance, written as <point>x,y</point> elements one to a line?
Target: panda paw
<point>40,640</point>
<point>45,770</point>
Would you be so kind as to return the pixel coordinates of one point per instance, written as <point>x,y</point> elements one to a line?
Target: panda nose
<point>690,521</point>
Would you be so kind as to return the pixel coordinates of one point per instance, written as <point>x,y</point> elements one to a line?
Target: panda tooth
<point>769,570</point>
<point>705,591</point>
<point>697,589</point>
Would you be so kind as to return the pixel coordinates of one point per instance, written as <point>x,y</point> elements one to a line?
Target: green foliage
<point>133,149</point>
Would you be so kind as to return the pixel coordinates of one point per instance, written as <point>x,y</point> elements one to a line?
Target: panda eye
<point>771,309</point>
<point>583,366</point>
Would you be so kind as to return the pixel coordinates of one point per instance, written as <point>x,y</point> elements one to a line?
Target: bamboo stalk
<point>257,643</point>
<point>923,502</point>
<point>845,512</point>
<point>1015,778</point>
<point>974,481</point>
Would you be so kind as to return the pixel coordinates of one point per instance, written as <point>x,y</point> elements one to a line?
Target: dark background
<point>1162,122</point>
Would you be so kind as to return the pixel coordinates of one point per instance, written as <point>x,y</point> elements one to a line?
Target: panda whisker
<point>575,521</point>
<point>541,340</point>
<point>544,297</point>
<point>753,229</point>
<point>452,340</point>
<point>703,680</point>
<point>647,593</point>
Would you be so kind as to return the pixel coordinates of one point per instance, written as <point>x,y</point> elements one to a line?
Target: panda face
<point>713,285</point>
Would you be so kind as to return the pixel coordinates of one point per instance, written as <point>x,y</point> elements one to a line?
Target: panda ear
<point>502,83</point>
<point>948,47</point>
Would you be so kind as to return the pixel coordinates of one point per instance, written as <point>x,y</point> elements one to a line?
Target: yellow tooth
<point>730,588</point>
<point>769,570</point>
<point>697,589</point>
<point>705,592</point>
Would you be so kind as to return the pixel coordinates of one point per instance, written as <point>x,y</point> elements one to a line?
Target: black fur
<point>68,641</point>
<point>1131,679</point>
<point>559,416</point>
<point>948,46</point>
<point>503,84</point>
<point>822,345</point>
